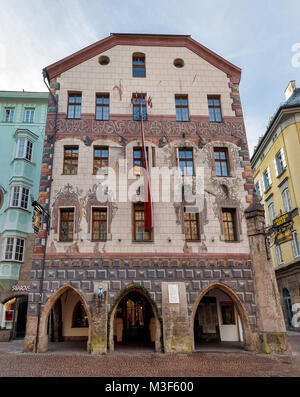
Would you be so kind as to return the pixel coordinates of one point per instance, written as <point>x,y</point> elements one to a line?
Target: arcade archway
<point>65,318</point>
<point>220,319</point>
<point>134,323</point>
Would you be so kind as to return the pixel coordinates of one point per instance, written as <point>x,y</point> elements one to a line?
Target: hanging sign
<point>282,219</point>
<point>100,292</point>
<point>36,221</point>
<point>284,237</point>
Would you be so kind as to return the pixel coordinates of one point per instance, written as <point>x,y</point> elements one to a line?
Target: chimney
<point>290,89</point>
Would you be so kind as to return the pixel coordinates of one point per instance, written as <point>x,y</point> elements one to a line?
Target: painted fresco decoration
<point>155,128</point>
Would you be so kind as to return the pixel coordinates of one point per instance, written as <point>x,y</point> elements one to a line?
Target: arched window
<point>80,318</point>
<point>138,65</point>
<point>287,306</point>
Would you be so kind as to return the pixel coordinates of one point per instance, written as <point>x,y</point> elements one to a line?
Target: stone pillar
<point>30,337</point>
<point>99,320</point>
<point>176,330</point>
<point>272,336</point>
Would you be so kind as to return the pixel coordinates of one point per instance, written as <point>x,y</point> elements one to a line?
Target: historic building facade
<point>276,165</point>
<point>99,275</point>
<point>22,128</point>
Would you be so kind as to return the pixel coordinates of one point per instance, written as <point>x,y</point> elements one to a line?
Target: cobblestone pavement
<point>69,360</point>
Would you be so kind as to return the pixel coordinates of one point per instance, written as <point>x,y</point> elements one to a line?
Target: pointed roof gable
<point>158,40</point>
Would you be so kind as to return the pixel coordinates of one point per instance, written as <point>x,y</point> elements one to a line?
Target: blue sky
<point>257,36</point>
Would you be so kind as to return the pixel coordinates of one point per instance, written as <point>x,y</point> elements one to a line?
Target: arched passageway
<point>65,322</point>
<point>13,315</point>
<point>134,323</point>
<point>219,319</point>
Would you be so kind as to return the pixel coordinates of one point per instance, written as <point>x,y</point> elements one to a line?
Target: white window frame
<point>281,160</point>
<point>24,154</point>
<point>295,245</point>
<point>271,211</point>
<point>286,199</point>
<point>258,190</point>
<point>14,250</point>
<point>279,255</point>
<point>19,199</point>
<point>31,118</point>
<point>10,118</point>
<point>267,178</point>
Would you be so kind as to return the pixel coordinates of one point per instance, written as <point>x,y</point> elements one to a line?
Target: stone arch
<point>248,339</point>
<point>43,336</point>
<point>158,320</point>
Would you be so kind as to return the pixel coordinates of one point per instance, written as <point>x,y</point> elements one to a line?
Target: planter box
<point>5,335</point>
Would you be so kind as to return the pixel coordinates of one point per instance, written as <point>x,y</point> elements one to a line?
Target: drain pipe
<point>45,76</point>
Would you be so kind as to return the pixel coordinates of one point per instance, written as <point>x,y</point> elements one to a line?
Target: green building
<point>22,129</point>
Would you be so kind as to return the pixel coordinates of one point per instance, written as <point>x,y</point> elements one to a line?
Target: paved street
<point>72,361</point>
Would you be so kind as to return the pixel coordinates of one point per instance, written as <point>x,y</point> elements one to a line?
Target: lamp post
<point>36,220</point>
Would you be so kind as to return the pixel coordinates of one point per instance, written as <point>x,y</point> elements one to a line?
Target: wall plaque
<point>173,293</point>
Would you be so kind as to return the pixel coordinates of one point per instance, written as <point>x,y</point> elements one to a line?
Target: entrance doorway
<point>217,322</point>
<point>134,322</point>
<point>13,315</point>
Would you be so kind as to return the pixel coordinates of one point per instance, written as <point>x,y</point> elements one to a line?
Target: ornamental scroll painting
<point>173,293</point>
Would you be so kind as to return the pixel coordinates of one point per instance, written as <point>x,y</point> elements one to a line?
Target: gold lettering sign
<point>282,219</point>
<point>284,237</point>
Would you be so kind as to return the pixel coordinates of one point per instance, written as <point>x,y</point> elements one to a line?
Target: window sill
<point>68,174</point>
<point>143,241</point>
<point>18,208</point>
<point>282,172</point>
<point>73,118</point>
<point>98,241</point>
<point>267,190</point>
<point>193,241</point>
<point>24,159</point>
<point>216,122</point>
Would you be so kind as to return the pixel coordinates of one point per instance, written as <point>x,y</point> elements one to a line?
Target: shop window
<point>70,160</point>
<point>80,318</point>
<point>227,312</point>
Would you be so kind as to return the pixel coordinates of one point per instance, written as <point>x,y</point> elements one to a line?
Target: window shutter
<point>263,183</point>
<point>283,157</point>
<point>269,175</point>
<point>275,166</point>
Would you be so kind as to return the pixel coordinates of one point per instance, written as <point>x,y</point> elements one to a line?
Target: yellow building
<point>276,169</point>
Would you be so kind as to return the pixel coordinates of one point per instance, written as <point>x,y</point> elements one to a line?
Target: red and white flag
<point>148,203</point>
<point>150,102</point>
